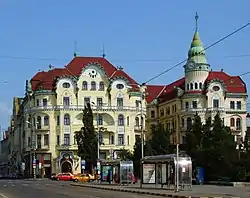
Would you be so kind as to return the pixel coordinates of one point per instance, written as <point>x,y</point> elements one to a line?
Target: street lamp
<point>141,88</point>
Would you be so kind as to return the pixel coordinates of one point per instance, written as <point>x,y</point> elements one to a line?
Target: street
<point>56,189</point>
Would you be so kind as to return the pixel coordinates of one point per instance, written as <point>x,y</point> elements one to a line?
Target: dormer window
<point>119,86</point>
<point>84,85</point>
<point>101,86</point>
<point>66,85</point>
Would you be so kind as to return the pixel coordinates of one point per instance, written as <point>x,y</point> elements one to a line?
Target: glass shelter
<point>162,170</point>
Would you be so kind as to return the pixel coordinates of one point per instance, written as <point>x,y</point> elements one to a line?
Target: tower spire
<point>103,51</point>
<point>75,48</point>
<point>196,21</point>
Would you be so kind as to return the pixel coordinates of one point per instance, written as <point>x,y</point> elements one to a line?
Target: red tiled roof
<point>153,91</point>
<point>233,84</point>
<point>45,80</point>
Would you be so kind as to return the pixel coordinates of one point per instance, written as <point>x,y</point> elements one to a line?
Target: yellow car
<point>84,177</point>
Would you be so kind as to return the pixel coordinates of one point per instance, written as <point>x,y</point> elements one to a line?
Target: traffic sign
<point>83,164</point>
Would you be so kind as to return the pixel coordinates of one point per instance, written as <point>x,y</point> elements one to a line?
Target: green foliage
<point>87,139</point>
<point>125,154</point>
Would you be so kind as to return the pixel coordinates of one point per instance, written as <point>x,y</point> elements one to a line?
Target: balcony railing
<point>67,147</point>
<point>81,107</point>
<point>210,109</point>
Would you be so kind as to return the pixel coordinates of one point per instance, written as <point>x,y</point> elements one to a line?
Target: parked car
<point>65,177</point>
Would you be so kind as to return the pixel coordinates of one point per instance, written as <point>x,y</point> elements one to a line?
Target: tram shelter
<point>162,170</point>
<point>121,172</point>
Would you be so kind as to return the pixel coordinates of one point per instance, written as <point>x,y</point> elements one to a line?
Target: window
<point>99,102</point>
<point>137,103</point>
<point>58,120</point>
<point>200,85</point>
<point>29,141</point>
<point>46,120</point>
<point>142,121</point>
<point>39,141</point>
<point>216,103</point>
<point>187,86</point>
<point>238,104</point>
<point>137,137</point>
<point>84,85</point>
<point>232,122</point>
<point>93,86</point>
<point>119,102</point>
<point>45,102</point>
<point>238,124</point>
<point>66,101</point>
<point>66,139</point>
<point>232,105</point>
<point>29,122</point>
<point>120,139</point>
<point>120,120</point>
<point>128,121</point>
<point>216,88</point>
<point>128,140</point>
<point>101,86</point>
<point>39,122</point>
<point>119,86</point>
<point>189,123</point>
<point>46,139</point>
<point>111,140</point>
<point>66,119</point>
<point>99,119</point>
<point>86,101</point>
<point>152,114</point>
<point>137,122</point>
<point>196,85</point>
<point>191,86</point>
<point>100,138</point>
<point>66,85</point>
<point>187,105</point>
<point>194,104</point>
<point>161,112</point>
<point>37,102</point>
<point>58,139</point>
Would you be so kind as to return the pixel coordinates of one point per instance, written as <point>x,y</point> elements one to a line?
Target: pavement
<point>56,189</point>
<point>197,191</point>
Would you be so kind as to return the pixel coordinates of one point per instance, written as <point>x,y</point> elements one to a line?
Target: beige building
<point>203,91</point>
<point>53,111</point>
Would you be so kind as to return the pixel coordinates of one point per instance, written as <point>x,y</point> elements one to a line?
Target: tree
<point>125,154</point>
<point>160,141</point>
<point>87,139</point>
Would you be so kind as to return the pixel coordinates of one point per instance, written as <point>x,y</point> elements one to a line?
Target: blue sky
<point>145,37</point>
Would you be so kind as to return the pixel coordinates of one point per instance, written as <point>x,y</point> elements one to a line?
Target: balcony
<point>67,147</point>
<point>81,107</point>
<point>42,147</point>
<point>105,147</point>
<point>42,128</point>
<point>236,128</point>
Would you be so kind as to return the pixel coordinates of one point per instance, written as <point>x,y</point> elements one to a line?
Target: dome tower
<point>196,68</point>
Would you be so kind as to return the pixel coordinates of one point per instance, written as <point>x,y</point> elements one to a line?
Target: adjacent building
<point>52,111</point>
<point>201,91</point>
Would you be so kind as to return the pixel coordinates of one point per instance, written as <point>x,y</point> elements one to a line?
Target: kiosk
<point>162,170</point>
<point>121,172</point>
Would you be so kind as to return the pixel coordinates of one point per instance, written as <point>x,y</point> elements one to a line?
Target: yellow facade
<point>57,114</point>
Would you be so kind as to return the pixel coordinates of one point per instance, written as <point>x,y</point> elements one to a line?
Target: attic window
<point>231,81</point>
<point>66,85</point>
<point>119,86</point>
<point>216,88</point>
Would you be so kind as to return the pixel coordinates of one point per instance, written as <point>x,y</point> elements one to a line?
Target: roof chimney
<point>221,70</point>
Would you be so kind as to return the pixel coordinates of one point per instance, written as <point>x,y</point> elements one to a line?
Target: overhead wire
<point>209,46</point>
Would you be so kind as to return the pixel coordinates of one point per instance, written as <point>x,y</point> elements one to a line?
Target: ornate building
<point>203,91</point>
<point>52,112</point>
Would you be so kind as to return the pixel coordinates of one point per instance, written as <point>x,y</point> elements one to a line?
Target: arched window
<point>200,85</point>
<point>232,122</point>
<point>93,85</point>
<point>66,119</point>
<point>187,86</point>
<point>46,120</point>
<point>100,119</point>
<point>101,86</point>
<point>189,123</point>
<point>84,85</point>
<point>191,86</point>
<point>112,140</point>
<point>120,120</point>
<point>137,122</point>
<point>196,85</point>
<point>238,124</point>
<point>39,122</point>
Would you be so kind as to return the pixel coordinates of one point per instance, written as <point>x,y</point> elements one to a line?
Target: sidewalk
<point>205,191</point>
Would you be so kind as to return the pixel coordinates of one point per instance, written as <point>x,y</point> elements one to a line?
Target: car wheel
<point>75,180</point>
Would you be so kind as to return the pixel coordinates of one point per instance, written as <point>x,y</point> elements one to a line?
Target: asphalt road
<point>56,189</point>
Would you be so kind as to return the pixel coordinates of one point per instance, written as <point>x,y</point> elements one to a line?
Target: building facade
<point>52,111</point>
<point>201,91</point>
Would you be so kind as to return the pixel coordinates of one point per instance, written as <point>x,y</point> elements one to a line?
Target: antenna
<point>103,51</point>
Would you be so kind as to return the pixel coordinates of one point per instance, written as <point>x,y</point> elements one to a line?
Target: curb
<point>143,192</point>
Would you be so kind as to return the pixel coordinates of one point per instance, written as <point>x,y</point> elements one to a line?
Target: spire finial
<point>103,51</point>
<point>75,48</point>
<point>196,21</point>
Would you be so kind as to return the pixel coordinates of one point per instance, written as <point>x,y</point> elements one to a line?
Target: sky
<point>144,37</point>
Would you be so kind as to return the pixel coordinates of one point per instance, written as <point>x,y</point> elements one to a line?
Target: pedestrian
<point>109,177</point>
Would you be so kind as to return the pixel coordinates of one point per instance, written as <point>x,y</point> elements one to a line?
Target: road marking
<point>25,184</point>
<point>3,196</point>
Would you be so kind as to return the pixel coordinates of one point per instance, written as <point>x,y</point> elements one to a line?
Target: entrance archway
<point>66,167</point>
